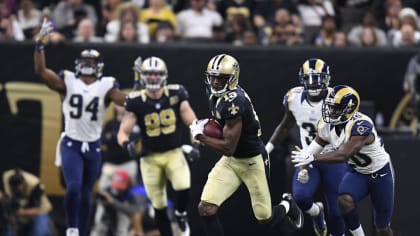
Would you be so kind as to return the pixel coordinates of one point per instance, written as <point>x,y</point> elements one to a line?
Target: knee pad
<point>261,212</point>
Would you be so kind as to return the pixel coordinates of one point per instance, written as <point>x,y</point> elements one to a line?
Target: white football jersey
<point>306,114</point>
<point>84,106</point>
<point>371,157</point>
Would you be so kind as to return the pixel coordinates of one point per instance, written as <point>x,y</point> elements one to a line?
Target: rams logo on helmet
<point>89,63</point>
<point>222,74</point>
<point>340,105</point>
<point>314,75</point>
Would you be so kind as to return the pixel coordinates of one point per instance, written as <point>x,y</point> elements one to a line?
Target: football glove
<point>191,152</point>
<point>46,29</point>
<point>197,127</point>
<point>130,147</point>
<point>301,158</point>
<point>303,176</point>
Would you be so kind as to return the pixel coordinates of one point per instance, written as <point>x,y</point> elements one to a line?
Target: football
<point>213,129</point>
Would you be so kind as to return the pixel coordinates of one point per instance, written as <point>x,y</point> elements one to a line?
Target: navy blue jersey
<point>158,119</point>
<point>237,103</point>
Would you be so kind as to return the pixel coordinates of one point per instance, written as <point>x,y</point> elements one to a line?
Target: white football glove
<point>46,29</point>
<point>303,176</point>
<point>197,127</point>
<point>301,158</point>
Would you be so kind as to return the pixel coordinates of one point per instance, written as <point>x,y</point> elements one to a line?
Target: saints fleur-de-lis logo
<point>233,109</point>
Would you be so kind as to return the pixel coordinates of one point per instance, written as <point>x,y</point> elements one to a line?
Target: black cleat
<point>294,214</point>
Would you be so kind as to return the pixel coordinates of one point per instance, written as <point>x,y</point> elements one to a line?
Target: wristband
<point>39,46</point>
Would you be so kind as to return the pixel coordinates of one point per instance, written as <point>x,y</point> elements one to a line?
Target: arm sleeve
<point>361,128</point>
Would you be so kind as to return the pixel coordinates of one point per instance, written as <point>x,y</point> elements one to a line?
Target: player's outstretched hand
<point>301,158</point>
<point>46,29</point>
<point>191,152</point>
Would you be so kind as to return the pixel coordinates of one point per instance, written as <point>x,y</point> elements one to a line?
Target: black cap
<point>16,179</point>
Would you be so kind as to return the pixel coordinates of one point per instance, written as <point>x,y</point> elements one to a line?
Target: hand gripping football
<point>213,129</point>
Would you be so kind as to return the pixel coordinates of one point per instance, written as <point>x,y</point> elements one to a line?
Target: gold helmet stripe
<point>346,90</point>
<point>319,64</point>
<point>305,67</point>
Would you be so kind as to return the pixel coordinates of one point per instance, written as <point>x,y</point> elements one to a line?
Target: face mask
<point>87,70</point>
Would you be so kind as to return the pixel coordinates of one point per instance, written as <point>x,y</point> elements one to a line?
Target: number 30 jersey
<point>84,106</point>
<point>370,158</point>
<point>158,119</point>
<point>306,114</point>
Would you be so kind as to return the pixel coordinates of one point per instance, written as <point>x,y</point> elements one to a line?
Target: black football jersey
<point>237,103</point>
<point>158,119</point>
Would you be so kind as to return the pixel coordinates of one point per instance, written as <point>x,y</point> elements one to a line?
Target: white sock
<point>286,205</point>
<point>358,231</point>
<point>314,210</point>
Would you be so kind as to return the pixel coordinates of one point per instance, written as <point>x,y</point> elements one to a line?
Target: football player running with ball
<point>303,107</point>
<point>244,158</point>
<point>354,137</point>
<point>160,109</point>
<point>85,93</point>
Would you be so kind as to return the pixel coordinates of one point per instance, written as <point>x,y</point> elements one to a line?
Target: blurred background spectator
<point>197,22</point>
<point>67,15</point>
<point>325,37</point>
<point>86,32</point>
<point>369,22</point>
<point>10,28</point>
<point>29,204</point>
<point>29,17</point>
<point>116,206</point>
<point>157,12</point>
<point>127,12</point>
<point>312,12</point>
<point>164,33</point>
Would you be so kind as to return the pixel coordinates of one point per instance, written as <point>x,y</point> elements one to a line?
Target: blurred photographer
<point>29,205</point>
<point>117,206</point>
<point>411,83</point>
<point>5,215</point>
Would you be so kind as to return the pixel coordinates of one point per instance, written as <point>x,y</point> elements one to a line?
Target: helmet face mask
<point>222,74</point>
<point>340,105</point>
<point>89,63</point>
<point>153,74</point>
<point>314,75</point>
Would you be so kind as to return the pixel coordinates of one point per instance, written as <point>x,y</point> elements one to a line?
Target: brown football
<point>213,129</point>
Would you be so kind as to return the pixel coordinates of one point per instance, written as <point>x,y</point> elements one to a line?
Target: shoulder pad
<point>174,86</point>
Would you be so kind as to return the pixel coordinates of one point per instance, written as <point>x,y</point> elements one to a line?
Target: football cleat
<point>72,232</point>
<point>294,214</point>
<point>182,220</point>
<point>320,226</point>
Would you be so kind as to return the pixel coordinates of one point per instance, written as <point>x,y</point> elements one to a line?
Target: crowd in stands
<point>322,23</point>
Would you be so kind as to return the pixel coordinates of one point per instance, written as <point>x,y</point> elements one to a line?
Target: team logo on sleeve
<point>173,100</point>
<point>233,109</point>
<point>362,129</point>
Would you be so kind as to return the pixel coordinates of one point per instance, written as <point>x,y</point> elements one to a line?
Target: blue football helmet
<point>340,105</point>
<point>314,75</point>
<point>89,63</point>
